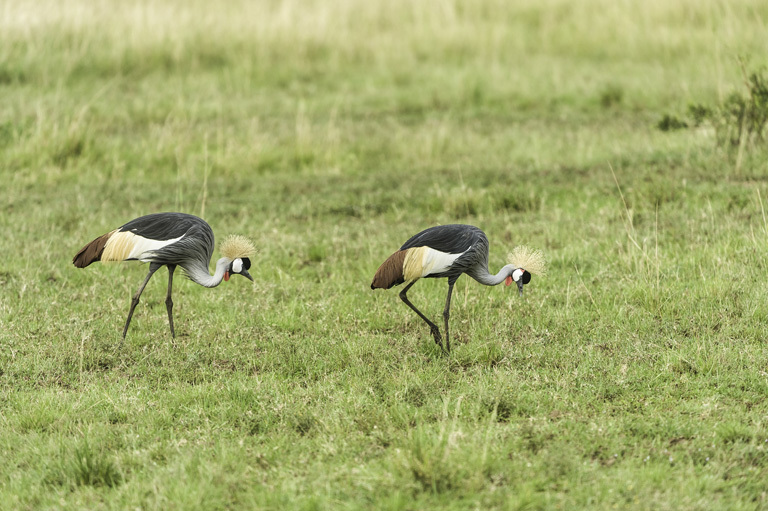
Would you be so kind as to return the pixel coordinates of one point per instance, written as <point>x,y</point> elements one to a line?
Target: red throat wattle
<point>508,280</point>
<point>226,276</point>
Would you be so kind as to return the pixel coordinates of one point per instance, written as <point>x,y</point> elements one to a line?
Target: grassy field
<point>633,376</point>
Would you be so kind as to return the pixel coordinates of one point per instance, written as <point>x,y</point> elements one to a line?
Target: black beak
<point>520,286</point>
<point>245,274</point>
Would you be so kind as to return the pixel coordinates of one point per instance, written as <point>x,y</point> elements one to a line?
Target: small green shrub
<point>699,113</point>
<point>741,119</point>
<point>671,123</point>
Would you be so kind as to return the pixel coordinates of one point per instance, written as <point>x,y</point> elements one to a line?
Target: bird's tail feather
<point>390,273</point>
<point>92,251</point>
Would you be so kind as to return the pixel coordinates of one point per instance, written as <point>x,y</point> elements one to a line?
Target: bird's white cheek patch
<point>517,274</point>
<point>237,266</point>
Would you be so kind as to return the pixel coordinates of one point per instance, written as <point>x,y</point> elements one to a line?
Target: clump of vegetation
<point>671,123</point>
<point>743,118</point>
<point>87,467</point>
<point>611,96</point>
<point>740,120</point>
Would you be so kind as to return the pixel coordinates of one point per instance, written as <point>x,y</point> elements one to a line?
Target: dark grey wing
<point>195,248</point>
<point>450,239</point>
<point>162,226</point>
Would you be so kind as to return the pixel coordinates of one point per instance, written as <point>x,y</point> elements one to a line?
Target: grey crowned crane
<point>169,239</point>
<point>450,251</point>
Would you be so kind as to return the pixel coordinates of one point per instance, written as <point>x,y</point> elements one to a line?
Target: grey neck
<point>200,275</point>
<point>484,277</point>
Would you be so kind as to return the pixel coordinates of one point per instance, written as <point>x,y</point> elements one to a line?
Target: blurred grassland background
<point>633,376</point>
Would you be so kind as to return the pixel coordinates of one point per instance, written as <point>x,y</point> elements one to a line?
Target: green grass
<point>633,376</point>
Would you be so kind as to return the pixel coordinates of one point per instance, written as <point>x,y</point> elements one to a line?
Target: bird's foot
<point>438,338</point>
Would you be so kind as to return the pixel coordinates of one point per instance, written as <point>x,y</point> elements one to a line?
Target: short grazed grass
<point>633,376</point>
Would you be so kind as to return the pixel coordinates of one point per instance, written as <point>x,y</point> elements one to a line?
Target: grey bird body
<point>444,251</point>
<point>165,239</point>
<point>467,240</point>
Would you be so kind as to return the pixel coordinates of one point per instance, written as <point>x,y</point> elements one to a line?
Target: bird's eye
<point>237,266</point>
<point>517,274</point>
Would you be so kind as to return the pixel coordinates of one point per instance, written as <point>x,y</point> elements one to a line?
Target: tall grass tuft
<point>86,466</point>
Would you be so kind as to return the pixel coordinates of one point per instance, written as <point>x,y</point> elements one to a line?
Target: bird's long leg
<point>447,314</point>
<point>168,299</point>
<point>432,326</point>
<point>153,267</point>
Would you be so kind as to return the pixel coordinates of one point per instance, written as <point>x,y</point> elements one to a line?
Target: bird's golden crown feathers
<point>237,247</point>
<point>532,261</point>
